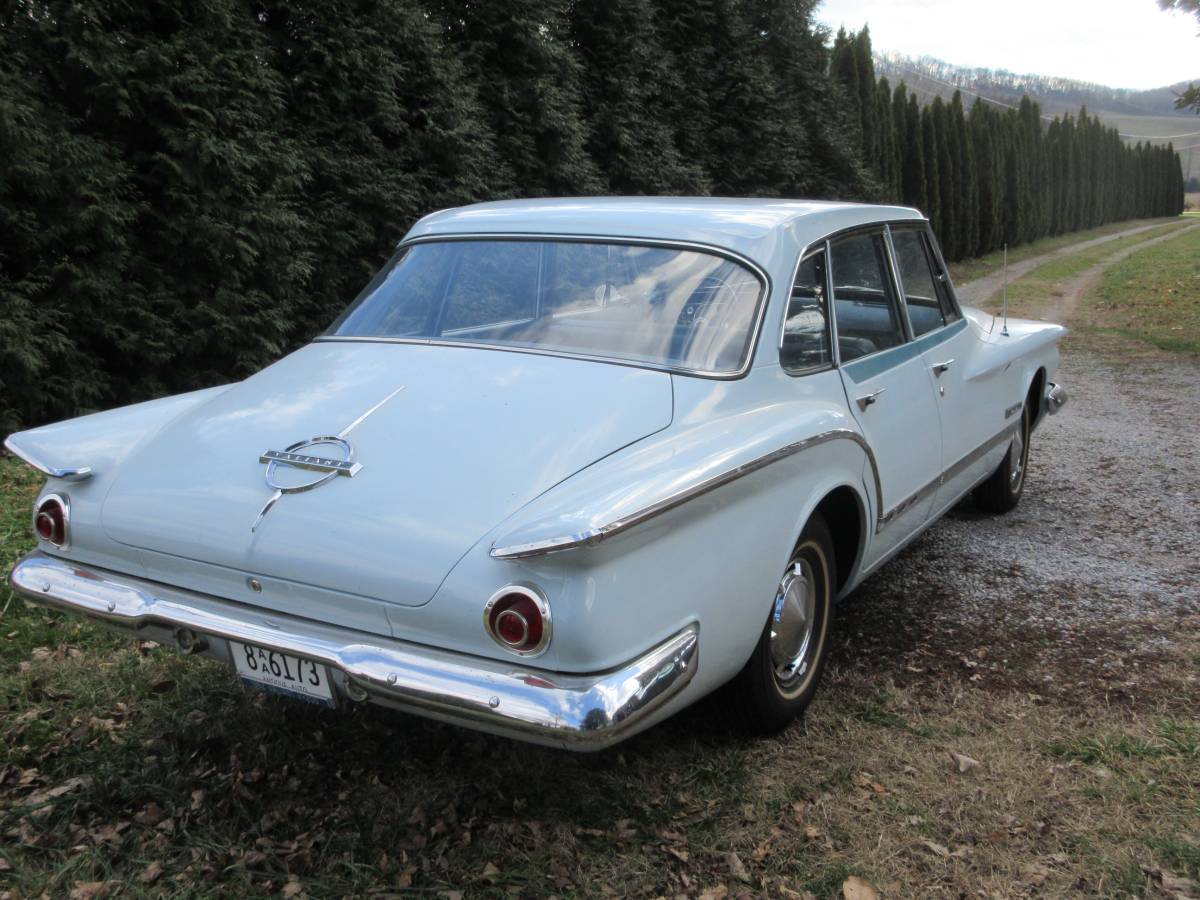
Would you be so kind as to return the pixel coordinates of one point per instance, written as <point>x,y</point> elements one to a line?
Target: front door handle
<point>868,399</point>
<point>939,368</point>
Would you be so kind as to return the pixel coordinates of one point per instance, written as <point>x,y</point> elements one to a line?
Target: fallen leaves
<point>1172,885</point>
<point>737,868</point>
<point>936,849</point>
<point>856,888</point>
<point>94,890</point>
<point>40,798</point>
<point>151,873</point>
<point>964,763</point>
<point>151,815</point>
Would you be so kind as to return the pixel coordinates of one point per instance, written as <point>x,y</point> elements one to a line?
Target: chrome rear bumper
<point>577,712</point>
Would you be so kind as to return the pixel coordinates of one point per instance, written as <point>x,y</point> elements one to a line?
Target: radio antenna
<point>1004,328</point>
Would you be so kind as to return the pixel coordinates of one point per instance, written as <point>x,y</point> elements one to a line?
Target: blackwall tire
<point>783,674</point>
<point>1003,488</point>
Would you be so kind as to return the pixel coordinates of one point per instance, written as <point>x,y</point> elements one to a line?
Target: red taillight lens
<point>518,620</point>
<point>50,521</point>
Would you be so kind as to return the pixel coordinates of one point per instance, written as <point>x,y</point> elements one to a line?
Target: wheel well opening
<point>843,514</point>
<point>1034,397</point>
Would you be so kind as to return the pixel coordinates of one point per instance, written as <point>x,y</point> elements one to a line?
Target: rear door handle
<point>868,399</point>
<point>939,368</point>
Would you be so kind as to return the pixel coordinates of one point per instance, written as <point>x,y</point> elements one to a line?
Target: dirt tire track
<point>979,291</point>
<point>1063,306</point>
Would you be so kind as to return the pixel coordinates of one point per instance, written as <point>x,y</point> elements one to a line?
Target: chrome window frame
<point>764,296</point>
<point>939,272</point>
<point>830,319</point>
<point>902,319</point>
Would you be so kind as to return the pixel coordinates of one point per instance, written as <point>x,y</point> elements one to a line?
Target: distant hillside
<point>1138,115</point>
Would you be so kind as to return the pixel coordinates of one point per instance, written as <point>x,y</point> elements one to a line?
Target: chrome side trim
<point>82,473</point>
<point>577,712</point>
<point>925,492</point>
<point>594,536</point>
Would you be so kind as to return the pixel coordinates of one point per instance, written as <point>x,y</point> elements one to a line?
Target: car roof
<point>759,228</point>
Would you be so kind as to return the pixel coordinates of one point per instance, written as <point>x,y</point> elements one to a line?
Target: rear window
<point>666,306</point>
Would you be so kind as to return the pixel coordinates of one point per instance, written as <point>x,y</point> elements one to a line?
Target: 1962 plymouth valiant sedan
<point>563,468</point>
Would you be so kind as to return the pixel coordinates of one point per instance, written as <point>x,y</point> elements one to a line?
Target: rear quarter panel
<point>715,560</point>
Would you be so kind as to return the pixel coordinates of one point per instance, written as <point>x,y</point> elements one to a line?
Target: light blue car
<point>563,467</point>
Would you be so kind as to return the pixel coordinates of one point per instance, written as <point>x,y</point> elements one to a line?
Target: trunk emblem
<point>326,468</point>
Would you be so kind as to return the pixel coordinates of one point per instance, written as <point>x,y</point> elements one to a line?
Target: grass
<point>1152,296</point>
<point>978,267</point>
<point>156,775</point>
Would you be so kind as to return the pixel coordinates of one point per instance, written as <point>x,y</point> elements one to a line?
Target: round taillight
<point>51,519</point>
<point>518,619</point>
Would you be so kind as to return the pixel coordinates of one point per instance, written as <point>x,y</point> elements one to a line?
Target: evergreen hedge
<point>190,189</point>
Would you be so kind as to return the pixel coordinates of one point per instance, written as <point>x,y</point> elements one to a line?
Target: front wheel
<point>1002,490</point>
<point>782,675</point>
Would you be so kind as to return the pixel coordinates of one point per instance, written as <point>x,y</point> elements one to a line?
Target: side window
<point>864,300</point>
<point>920,285</point>
<point>806,326</point>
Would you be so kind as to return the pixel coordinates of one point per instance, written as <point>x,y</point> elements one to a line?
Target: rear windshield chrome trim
<point>764,298</point>
<point>533,351</point>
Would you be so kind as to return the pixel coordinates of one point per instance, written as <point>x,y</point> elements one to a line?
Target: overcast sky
<point>1119,43</point>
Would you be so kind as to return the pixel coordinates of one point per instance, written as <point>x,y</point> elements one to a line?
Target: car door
<point>887,384</point>
<point>969,416</point>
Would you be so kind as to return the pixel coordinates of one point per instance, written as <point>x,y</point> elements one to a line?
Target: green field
<point>1152,296</point>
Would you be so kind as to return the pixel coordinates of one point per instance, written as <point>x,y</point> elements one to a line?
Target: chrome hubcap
<point>1017,470</point>
<point>792,622</point>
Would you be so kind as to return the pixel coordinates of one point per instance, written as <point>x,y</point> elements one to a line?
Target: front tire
<point>779,681</point>
<point>1003,488</point>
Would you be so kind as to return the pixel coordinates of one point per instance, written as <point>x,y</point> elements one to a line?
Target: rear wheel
<point>782,675</point>
<point>1002,490</point>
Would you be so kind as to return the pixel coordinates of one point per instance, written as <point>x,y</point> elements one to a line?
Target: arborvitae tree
<point>948,185</point>
<point>1014,214</point>
<point>889,152</point>
<point>981,125</point>
<point>631,96</point>
<point>913,154</point>
<point>929,152</point>
<point>1034,200</point>
<point>967,207</point>
<point>528,80</point>
<point>392,128</point>
<point>868,108</point>
<point>843,66</point>
<point>1083,171</point>
<point>816,133</point>
<point>188,194</point>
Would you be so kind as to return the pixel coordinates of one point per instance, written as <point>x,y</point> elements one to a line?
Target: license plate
<point>281,673</point>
